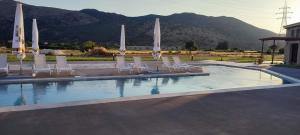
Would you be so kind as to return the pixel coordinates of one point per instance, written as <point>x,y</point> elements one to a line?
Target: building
<point>292,49</point>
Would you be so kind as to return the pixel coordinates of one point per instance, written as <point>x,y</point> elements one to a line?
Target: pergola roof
<point>280,38</point>
<point>292,25</point>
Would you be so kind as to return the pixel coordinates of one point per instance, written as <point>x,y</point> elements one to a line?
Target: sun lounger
<point>40,64</point>
<point>62,65</point>
<point>167,64</point>
<point>179,64</point>
<point>139,65</point>
<point>121,65</point>
<point>3,64</point>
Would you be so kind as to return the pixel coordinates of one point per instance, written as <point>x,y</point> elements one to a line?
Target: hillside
<point>59,25</point>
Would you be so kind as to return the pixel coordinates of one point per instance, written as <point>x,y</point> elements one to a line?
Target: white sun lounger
<point>62,65</point>
<point>121,65</point>
<point>3,64</point>
<point>139,65</point>
<point>179,64</point>
<point>167,64</point>
<point>40,64</point>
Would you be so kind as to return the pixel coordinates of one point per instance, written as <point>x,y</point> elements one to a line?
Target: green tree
<point>190,46</point>
<point>274,47</point>
<point>222,46</point>
<point>87,45</point>
<point>269,51</point>
<point>281,51</point>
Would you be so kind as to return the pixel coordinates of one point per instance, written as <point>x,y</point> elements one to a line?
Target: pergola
<point>274,39</point>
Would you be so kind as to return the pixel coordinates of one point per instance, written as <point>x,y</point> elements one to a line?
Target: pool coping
<point>89,78</point>
<point>135,98</point>
<point>285,77</point>
<point>295,83</point>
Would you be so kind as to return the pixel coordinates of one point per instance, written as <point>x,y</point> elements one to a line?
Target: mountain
<point>59,25</point>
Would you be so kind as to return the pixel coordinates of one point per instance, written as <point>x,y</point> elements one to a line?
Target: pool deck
<point>259,112</point>
<point>94,69</point>
<point>286,71</point>
<point>272,111</point>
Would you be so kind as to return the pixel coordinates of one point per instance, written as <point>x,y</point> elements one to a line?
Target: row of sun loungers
<point>3,64</point>
<point>121,65</point>
<point>40,65</point>
<point>178,65</point>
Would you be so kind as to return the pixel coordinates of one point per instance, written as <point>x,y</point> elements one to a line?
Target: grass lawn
<point>237,58</point>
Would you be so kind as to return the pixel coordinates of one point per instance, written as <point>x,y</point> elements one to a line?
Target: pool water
<point>59,92</point>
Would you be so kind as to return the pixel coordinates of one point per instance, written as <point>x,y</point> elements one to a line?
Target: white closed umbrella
<point>157,36</point>
<point>157,39</point>
<point>35,38</point>
<point>122,41</point>
<point>18,44</point>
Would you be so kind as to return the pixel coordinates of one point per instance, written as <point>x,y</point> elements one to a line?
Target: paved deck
<point>88,69</point>
<point>287,71</point>
<point>259,112</point>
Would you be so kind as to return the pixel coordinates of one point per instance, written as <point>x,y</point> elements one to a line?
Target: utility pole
<point>284,12</point>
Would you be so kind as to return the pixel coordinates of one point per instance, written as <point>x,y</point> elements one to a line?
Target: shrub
<point>190,46</point>
<point>281,51</point>
<point>269,51</point>
<point>100,51</point>
<point>222,46</point>
<point>88,45</point>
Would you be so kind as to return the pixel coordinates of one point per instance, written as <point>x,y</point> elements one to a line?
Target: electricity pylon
<point>284,12</point>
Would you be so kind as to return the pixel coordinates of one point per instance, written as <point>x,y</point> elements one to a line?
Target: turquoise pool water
<point>58,92</point>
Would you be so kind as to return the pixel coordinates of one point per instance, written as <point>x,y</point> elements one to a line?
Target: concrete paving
<point>287,71</point>
<point>259,112</point>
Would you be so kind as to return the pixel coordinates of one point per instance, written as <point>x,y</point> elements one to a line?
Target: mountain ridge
<point>60,25</point>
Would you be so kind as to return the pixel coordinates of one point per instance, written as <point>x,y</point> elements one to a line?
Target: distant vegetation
<point>222,46</point>
<point>87,46</point>
<point>190,46</point>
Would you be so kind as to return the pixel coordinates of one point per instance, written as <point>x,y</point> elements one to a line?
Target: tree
<point>269,51</point>
<point>281,51</point>
<point>190,46</point>
<point>274,47</point>
<point>2,44</point>
<point>87,45</point>
<point>222,46</point>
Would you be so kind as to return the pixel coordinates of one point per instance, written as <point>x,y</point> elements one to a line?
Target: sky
<point>261,13</point>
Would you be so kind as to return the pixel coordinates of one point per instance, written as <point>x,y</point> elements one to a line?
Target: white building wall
<point>287,49</point>
<point>298,57</point>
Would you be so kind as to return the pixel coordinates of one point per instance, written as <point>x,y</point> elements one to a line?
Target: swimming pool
<point>220,77</point>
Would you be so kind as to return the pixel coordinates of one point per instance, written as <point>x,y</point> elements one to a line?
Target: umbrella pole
<point>157,66</point>
<point>21,89</point>
<point>21,67</point>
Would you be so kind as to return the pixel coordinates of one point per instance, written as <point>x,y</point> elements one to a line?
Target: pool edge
<point>135,98</point>
<point>85,78</point>
<point>294,81</point>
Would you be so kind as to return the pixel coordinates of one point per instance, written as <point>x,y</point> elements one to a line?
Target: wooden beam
<point>273,53</point>
<point>262,49</point>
